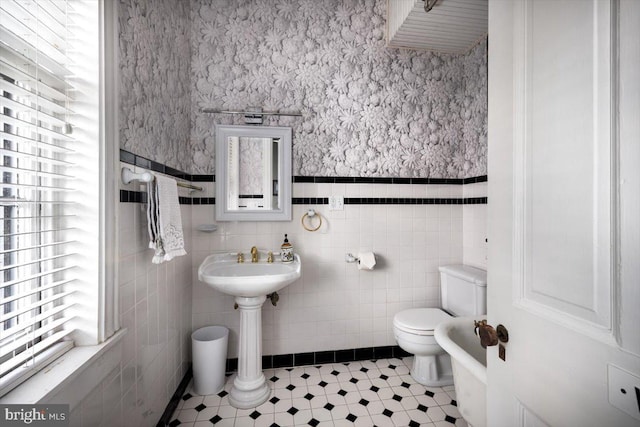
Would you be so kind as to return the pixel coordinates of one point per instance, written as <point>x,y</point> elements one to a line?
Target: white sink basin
<point>223,273</point>
<point>249,282</point>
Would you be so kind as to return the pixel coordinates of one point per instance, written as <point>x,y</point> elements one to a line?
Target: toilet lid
<point>420,319</point>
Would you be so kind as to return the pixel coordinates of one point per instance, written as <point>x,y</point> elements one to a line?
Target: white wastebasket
<point>209,359</point>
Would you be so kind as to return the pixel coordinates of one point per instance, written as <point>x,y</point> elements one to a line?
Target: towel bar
<point>128,175</point>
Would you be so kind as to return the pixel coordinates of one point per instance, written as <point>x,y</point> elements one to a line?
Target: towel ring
<point>310,214</point>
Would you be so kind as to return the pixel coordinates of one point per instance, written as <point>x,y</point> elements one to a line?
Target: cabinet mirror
<point>253,173</point>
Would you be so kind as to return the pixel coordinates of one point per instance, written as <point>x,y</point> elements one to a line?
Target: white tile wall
<point>334,305</point>
<point>155,307</point>
<point>474,218</point>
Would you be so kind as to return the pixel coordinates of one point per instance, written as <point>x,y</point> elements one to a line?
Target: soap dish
<point>207,228</point>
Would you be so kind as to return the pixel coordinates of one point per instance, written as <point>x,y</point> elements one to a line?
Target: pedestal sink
<point>249,283</point>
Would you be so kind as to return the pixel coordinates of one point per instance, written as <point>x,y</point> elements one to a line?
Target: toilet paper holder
<point>350,258</point>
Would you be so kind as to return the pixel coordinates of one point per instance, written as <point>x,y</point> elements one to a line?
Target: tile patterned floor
<point>365,393</point>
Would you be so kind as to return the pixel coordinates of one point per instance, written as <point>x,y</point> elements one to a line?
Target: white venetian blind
<point>36,205</point>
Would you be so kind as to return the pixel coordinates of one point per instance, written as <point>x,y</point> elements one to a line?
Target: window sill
<point>51,380</point>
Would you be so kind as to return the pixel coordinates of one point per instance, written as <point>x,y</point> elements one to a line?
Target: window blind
<point>37,208</point>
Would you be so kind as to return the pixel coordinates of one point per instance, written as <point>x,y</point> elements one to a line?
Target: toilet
<point>463,291</point>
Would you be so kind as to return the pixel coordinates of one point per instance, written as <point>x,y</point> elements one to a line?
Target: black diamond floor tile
<point>329,395</point>
<point>450,419</point>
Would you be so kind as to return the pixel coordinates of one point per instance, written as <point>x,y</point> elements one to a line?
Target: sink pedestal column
<point>250,388</point>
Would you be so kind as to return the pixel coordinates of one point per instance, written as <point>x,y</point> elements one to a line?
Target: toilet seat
<point>419,321</point>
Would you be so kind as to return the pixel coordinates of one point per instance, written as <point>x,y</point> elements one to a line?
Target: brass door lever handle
<point>488,335</point>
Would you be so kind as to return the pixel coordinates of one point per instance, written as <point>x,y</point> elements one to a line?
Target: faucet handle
<point>270,257</point>
<point>240,257</point>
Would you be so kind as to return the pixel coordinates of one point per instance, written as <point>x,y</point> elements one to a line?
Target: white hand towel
<point>164,219</point>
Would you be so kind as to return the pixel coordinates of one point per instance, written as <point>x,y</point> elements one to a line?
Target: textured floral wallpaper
<point>368,110</point>
<point>474,111</point>
<point>155,100</point>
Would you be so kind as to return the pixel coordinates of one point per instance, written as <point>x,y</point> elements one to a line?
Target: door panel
<point>555,201</point>
<point>562,94</point>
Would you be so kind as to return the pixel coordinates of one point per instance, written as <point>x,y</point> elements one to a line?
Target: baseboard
<point>175,399</point>
<point>322,357</point>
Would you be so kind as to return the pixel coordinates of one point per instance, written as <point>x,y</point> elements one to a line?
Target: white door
<point>564,212</point>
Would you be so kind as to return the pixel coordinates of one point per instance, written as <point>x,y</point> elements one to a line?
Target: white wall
<point>334,305</point>
<point>474,224</point>
<point>155,306</point>
<point>132,383</point>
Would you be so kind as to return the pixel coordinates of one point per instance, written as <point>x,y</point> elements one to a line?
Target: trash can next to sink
<point>209,345</point>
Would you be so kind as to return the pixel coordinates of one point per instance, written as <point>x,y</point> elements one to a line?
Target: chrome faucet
<point>254,254</point>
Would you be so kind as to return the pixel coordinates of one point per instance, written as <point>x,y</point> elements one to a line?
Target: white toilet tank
<point>463,290</point>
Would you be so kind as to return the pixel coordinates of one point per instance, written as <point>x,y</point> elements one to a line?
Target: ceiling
<point>452,26</point>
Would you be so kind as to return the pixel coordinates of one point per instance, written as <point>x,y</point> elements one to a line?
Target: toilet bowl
<point>463,291</point>
<point>413,330</point>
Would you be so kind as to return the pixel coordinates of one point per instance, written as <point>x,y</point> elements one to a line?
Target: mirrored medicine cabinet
<point>253,173</point>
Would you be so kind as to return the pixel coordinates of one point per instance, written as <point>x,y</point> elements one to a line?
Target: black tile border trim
<point>386,180</point>
<point>392,201</point>
<point>323,357</point>
<point>175,399</point>
<point>134,159</point>
<point>128,196</point>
